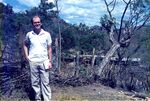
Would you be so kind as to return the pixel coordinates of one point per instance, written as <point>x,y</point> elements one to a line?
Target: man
<point>37,48</point>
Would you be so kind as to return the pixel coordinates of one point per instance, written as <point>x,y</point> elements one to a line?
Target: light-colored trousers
<point>40,81</point>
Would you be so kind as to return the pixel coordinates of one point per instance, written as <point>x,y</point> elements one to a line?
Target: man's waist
<point>38,58</point>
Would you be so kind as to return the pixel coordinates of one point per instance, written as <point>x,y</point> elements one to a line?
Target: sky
<point>88,12</point>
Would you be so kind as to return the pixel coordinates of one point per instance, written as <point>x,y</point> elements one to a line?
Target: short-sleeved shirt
<point>38,45</point>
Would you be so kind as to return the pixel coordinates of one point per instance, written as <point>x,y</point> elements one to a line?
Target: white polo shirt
<point>38,50</point>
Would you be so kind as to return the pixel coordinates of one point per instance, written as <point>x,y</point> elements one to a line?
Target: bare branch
<point>144,22</point>
<point>111,2</point>
<point>109,12</point>
<point>113,5</point>
<point>122,18</point>
<point>124,1</point>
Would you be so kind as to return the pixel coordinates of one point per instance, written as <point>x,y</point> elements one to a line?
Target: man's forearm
<point>50,53</point>
<point>25,51</point>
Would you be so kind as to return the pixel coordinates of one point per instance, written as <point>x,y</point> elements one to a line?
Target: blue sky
<point>72,11</point>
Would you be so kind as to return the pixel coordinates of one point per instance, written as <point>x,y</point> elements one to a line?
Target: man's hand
<point>27,59</point>
<point>50,64</point>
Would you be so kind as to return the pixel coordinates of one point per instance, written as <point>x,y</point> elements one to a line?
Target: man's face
<point>37,23</point>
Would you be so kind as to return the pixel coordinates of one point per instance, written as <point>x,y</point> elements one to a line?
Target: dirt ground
<point>94,92</point>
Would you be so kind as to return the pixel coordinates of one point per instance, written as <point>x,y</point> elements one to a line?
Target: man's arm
<point>50,55</point>
<point>26,51</point>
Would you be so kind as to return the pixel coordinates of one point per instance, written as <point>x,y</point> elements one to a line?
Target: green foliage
<point>90,41</point>
<point>69,38</point>
<point>1,43</point>
<point>91,38</point>
<point>141,7</point>
<point>1,9</point>
<point>1,17</point>
<point>83,38</point>
<point>8,9</point>
<point>147,46</point>
<point>44,7</point>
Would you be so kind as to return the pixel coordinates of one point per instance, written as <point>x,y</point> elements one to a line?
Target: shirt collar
<point>41,32</point>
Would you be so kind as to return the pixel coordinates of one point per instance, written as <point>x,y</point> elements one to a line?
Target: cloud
<point>1,0</point>
<point>85,11</point>
<point>32,3</point>
<point>18,8</point>
<point>51,1</point>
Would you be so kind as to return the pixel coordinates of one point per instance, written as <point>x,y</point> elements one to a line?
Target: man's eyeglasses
<point>36,22</point>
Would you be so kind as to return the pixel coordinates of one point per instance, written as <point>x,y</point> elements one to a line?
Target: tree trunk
<point>56,51</point>
<point>110,53</point>
<point>59,35</point>
<point>76,74</point>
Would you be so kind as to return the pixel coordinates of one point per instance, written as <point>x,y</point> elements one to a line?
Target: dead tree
<point>112,50</point>
<point>59,37</point>
<point>126,30</point>
<point>56,52</point>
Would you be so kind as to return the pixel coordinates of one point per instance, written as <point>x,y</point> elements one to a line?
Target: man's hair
<point>36,16</point>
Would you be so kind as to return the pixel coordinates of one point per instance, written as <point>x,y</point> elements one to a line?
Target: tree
<point>59,37</point>
<point>135,15</point>
<point>1,18</point>
<point>46,9</point>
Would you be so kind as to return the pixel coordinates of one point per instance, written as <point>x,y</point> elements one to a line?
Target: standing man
<point>37,48</point>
